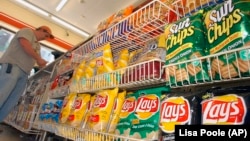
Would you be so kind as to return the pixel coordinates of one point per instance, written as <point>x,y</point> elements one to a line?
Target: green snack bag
<point>145,123</point>
<point>185,41</point>
<point>126,115</point>
<point>227,27</point>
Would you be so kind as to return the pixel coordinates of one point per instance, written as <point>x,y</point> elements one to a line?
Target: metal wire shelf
<point>142,74</point>
<point>76,134</point>
<point>132,32</point>
<point>214,70</point>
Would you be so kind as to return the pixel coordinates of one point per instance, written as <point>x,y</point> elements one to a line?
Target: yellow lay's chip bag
<point>85,120</point>
<point>79,109</point>
<point>116,111</point>
<point>67,106</point>
<point>101,110</point>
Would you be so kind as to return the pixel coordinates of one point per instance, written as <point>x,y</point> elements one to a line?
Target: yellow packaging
<point>101,110</point>
<point>78,74</point>
<point>88,112</point>
<point>104,64</point>
<point>79,109</point>
<point>120,62</point>
<point>117,110</point>
<point>67,105</point>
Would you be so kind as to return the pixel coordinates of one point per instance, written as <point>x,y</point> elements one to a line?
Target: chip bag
<point>79,110</point>
<point>101,110</point>
<point>116,111</point>
<point>67,106</point>
<point>227,28</point>
<point>185,40</point>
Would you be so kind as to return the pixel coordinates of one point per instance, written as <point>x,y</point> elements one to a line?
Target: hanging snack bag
<point>226,106</point>
<point>126,116</point>
<point>44,112</point>
<point>55,112</point>
<point>120,63</point>
<point>84,124</point>
<point>185,41</point>
<point>67,106</point>
<point>101,110</point>
<point>77,75</point>
<point>178,110</point>
<point>145,123</point>
<point>115,117</point>
<point>227,28</point>
<point>104,65</point>
<point>79,109</point>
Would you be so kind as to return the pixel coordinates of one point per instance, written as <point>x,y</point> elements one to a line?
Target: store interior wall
<point>11,9</point>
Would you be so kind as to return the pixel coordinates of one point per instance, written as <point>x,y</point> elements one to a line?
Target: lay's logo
<point>226,109</point>
<point>101,101</point>
<point>128,107</point>
<point>77,104</point>
<point>147,106</point>
<point>174,111</point>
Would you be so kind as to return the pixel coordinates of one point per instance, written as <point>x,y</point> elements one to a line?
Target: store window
<point>46,54</point>
<point>5,38</point>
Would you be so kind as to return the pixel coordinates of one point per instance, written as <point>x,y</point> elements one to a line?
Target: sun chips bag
<point>185,40</point>
<point>227,28</point>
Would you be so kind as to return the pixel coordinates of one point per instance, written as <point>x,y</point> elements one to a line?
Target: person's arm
<point>29,50</point>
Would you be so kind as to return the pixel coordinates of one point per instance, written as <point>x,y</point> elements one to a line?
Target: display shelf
<point>133,31</point>
<point>214,70</point>
<point>142,74</point>
<point>142,25</point>
<point>76,134</point>
<point>23,120</point>
<point>59,92</point>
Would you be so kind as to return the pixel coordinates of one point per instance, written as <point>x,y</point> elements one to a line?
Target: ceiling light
<point>34,8</point>
<point>81,32</point>
<point>60,5</point>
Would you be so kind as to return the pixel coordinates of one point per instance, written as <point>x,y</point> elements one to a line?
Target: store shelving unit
<point>133,32</point>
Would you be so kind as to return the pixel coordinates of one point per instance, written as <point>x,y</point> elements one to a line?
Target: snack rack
<point>133,32</point>
<point>225,75</point>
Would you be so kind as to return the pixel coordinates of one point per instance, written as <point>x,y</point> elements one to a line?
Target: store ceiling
<point>85,14</point>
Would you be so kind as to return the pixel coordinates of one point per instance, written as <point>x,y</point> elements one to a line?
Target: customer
<point>17,63</point>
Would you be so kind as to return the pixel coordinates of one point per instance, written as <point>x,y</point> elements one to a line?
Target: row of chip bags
<point>151,113</point>
<point>209,32</point>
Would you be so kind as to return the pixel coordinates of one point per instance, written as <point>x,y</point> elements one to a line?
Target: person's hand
<point>41,63</point>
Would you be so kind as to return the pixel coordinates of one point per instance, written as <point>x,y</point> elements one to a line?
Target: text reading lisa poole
<point>222,132</point>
